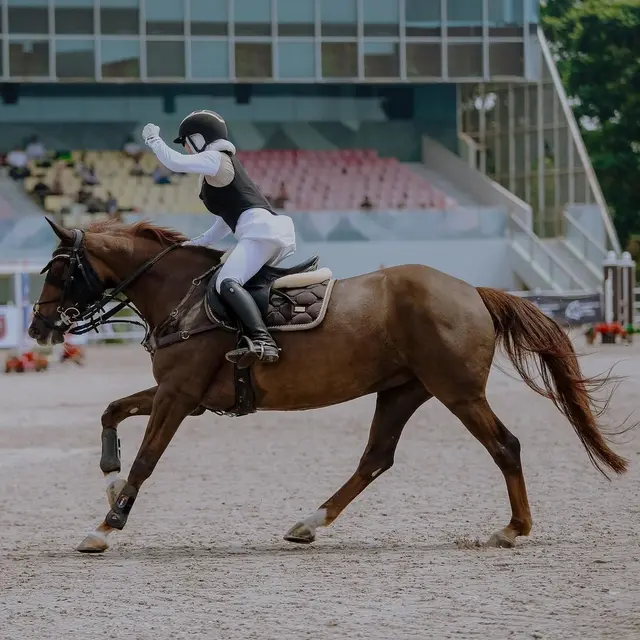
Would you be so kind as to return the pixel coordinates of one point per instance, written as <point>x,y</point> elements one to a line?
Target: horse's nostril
<point>33,332</point>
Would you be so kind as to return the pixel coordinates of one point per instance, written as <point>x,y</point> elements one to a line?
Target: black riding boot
<point>261,346</point>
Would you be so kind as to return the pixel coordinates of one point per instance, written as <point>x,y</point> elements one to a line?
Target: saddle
<point>289,298</point>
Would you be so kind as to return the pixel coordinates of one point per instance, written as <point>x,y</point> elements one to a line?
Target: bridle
<point>84,293</point>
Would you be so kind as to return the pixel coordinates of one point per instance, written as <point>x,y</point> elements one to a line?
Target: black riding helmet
<point>210,125</point>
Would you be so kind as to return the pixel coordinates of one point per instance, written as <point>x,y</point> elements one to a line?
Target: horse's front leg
<point>139,404</point>
<point>169,409</point>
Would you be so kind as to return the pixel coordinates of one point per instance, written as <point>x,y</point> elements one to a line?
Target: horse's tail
<point>525,333</point>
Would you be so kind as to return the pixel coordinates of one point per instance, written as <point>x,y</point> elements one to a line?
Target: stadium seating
<point>314,180</point>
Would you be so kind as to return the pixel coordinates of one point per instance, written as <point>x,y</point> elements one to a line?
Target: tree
<point>597,47</point>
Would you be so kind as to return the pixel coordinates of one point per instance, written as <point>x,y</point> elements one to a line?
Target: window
<point>464,18</point>
<point>164,18</point>
<point>165,59</point>
<point>28,16</point>
<point>296,18</point>
<point>75,59</point>
<point>506,18</point>
<point>381,18</point>
<point>381,60</point>
<point>465,60</point>
<point>28,58</point>
<point>253,60</point>
<point>339,60</point>
<point>120,58</point>
<point>209,59</point>
<point>209,17</point>
<point>424,60</point>
<point>424,18</point>
<point>506,59</point>
<point>74,17</point>
<point>339,18</point>
<point>297,59</point>
<point>120,17</point>
<point>252,17</point>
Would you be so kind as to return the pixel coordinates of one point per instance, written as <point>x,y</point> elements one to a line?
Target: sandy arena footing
<point>202,555</point>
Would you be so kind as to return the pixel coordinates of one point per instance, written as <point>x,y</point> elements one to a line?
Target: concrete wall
<point>480,262</point>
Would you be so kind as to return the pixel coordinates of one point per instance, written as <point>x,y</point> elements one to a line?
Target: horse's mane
<point>143,229</point>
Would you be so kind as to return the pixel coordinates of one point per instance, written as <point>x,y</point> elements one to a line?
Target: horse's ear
<point>66,235</point>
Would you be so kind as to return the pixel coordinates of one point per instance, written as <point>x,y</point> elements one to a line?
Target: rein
<point>87,294</point>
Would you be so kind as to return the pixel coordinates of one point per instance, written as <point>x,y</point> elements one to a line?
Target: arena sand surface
<point>203,557</point>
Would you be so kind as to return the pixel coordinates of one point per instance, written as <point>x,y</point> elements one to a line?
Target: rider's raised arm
<point>207,162</point>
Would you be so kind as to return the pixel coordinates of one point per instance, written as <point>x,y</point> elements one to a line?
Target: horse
<point>405,333</point>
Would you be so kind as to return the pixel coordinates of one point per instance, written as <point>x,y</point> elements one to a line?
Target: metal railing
<point>583,245</point>
<point>541,258</point>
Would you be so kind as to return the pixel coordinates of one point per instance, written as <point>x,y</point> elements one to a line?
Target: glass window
<point>164,17</point>
<point>506,58</point>
<point>253,60</point>
<point>209,17</point>
<point>74,17</point>
<point>506,18</point>
<point>339,18</point>
<point>424,18</point>
<point>252,17</point>
<point>165,59</point>
<point>75,59</point>
<point>120,17</point>
<point>120,58</point>
<point>296,17</point>
<point>464,18</point>
<point>381,60</point>
<point>424,60</point>
<point>465,60</point>
<point>28,58</point>
<point>297,59</point>
<point>28,16</point>
<point>209,59</point>
<point>339,60</point>
<point>381,18</point>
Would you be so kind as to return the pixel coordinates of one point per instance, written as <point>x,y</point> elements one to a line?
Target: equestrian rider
<point>239,208</point>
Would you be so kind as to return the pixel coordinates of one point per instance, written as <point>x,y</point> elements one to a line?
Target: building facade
<point>199,41</point>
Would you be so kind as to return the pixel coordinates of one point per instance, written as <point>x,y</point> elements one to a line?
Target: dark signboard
<point>570,310</point>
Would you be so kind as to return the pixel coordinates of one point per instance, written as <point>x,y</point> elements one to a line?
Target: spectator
<point>17,158</point>
<point>136,170</point>
<point>88,175</point>
<point>40,191</point>
<point>161,175</point>
<point>281,199</point>
<point>112,205</point>
<point>56,184</point>
<point>35,149</point>
<point>366,204</point>
<point>83,195</point>
<point>131,148</point>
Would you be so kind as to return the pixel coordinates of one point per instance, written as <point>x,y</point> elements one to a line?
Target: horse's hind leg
<point>394,407</point>
<point>504,448</point>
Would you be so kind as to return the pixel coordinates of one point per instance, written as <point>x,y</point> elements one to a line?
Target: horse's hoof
<point>301,533</point>
<point>92,544</point>
<point>114,489</point>
<point>500,540</point>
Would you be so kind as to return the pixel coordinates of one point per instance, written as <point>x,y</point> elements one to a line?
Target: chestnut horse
<point>406,333</point>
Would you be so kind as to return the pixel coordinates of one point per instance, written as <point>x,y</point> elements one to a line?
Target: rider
<point>239,208</point>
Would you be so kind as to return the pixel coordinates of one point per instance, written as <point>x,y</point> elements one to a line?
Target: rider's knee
<point>226,285</point>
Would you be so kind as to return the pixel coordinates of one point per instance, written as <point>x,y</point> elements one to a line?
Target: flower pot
<point>608,337</point>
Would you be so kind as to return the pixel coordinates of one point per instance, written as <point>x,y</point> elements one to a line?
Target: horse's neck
<point>159,291</point>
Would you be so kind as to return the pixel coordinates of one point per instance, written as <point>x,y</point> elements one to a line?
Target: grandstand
<point>442,116</point>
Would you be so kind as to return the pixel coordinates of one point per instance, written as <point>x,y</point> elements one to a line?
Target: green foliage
<point>597,45</point>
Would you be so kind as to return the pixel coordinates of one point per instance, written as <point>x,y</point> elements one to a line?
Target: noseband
<point>83,295</point>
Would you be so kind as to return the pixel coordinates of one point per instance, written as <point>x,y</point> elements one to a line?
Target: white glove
<point>149,132</point>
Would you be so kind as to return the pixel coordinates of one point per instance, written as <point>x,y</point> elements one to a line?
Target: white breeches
<point>262,239</point>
